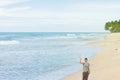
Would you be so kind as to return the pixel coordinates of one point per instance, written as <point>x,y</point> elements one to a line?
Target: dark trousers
<point>85,75</point>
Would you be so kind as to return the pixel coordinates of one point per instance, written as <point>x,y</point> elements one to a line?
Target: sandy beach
<point>106,64</point>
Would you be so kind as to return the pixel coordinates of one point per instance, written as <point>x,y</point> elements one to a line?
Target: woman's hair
<point>86,58</point>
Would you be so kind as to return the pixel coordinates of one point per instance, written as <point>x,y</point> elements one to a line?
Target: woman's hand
<point>81,61</point>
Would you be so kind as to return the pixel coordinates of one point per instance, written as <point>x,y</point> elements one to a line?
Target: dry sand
<point>106,64</point>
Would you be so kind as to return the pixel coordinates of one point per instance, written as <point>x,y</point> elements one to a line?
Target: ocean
<point>44,55</point>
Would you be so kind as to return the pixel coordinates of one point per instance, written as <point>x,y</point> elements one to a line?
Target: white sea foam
<point>91,37</point>
<point>74,36</point>
<point>67,36</point>
<point>8,42</point>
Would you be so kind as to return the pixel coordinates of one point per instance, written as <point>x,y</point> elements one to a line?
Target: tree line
<point>113,26</point>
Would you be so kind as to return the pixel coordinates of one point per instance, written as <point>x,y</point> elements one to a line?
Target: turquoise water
<point>43,56</point>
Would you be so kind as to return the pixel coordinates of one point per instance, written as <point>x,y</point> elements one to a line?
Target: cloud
<point>18,9</point>
<point>93,6</point>
<point>76,14</point>
<point>9,2</point>
<point>1,10</point>
<point>4,11</point>
<point>73,11</point>
<point>8,11</point>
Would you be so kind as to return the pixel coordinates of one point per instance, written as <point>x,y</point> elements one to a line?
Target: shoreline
<point>105,64</point>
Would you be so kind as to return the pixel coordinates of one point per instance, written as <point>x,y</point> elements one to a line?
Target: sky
<point>57,15</point>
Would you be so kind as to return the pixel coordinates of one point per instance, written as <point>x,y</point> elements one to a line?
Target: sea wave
<point>74,36</point>
<point>8,42</point>
<point>47,36</point>
<point>91,37</point>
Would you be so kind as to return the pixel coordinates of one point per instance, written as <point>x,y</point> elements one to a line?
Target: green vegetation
<point>113,26</point>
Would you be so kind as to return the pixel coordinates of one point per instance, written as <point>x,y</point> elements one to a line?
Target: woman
<point>86,69</point>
